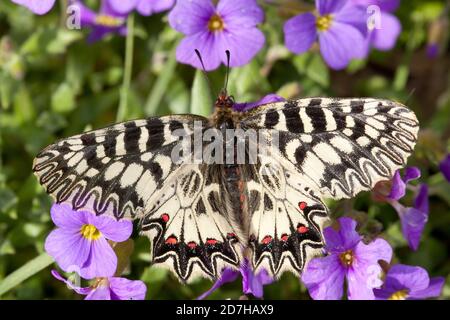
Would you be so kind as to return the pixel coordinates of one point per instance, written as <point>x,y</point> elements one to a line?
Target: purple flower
<point>102,23</point>
<point>79,243</point>
<point>348,257</point>
<point>444,166</point>
<point>112,288</point>
<point>413,219</point>
<point>37,6</point>
<point>399,183</point>
<point>251,283</point>
<point>409,283</point>
<point>382,28</point>
<point>270,98</point>
<point>144,7</point>
<point>340,40</point>
<point>433,50</point>
<point>231,25</point>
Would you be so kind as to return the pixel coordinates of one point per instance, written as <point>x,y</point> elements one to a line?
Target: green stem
<point>128,68</point>
<point>26,271</point>
<point>63,7</point>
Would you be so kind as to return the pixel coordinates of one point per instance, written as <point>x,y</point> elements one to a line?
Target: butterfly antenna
<point>199,56</point>
<point>225,86</point>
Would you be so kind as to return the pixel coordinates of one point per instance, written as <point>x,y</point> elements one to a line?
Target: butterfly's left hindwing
<point>190,230</point>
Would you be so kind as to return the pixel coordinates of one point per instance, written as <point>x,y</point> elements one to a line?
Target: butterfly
<point>203,217</point>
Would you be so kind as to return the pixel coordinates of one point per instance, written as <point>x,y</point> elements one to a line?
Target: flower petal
<point>70,250</point>
<point>240,13</point>
<point>149,7</point>
<point>254,284</point>
<point>228,275</point>
<point>87,16</point>
<point>344,239</point>
<point>124,289</point>
<point>444,166</point>
<point>242,44</point>
<point>413,222</point>
<point>329,6</point>
<point>324,278</point>
<point>398,189</point>
<point>300,32</point>
<point>270,98</point>
<point>69,284</point>
<point>37,6</point>
<point>401,277</point>
<point>190,17</point>
<point>65,217</point>
<point>122,6</point>
<point>421,200</point>
<point>364,274</point>
<point>384,39</point>
<point>341,43</point>
<point>102,261</point>
<point>371,253</point>
<point>205,43</point>
<point>434,289</point>
<point>99,293</point>
<point>112,229</point>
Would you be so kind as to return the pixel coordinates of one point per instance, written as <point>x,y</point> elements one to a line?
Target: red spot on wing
<point>231,235</point>
<point>284,237</point>
<point>302,205</point>
<point>192,245</point>
<point>302,229</point>
<point>165,217</point>
<point>172,240</point>
<point>267,240</point>
<point>211,242</point>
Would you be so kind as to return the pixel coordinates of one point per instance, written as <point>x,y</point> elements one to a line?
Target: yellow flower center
<point>399,295</point>
<point>215,23</point>
<point>347,258</point>
<point>323,23</point>
<point>108,21</point>
<point>90,232</point>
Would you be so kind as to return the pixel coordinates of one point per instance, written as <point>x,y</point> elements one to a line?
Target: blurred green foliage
<point>53,85</point>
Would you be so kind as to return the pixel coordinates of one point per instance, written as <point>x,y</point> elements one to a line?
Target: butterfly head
<point>224,100</point>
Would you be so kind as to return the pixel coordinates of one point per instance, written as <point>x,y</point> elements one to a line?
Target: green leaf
<point>63,99</point>
<point>7,199</point>
<point>312,65</point>
<point>26,271</point>
<point>160,87</point>
<point>201,102</point>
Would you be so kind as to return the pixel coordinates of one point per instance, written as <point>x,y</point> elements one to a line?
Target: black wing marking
<point>339,146</point>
